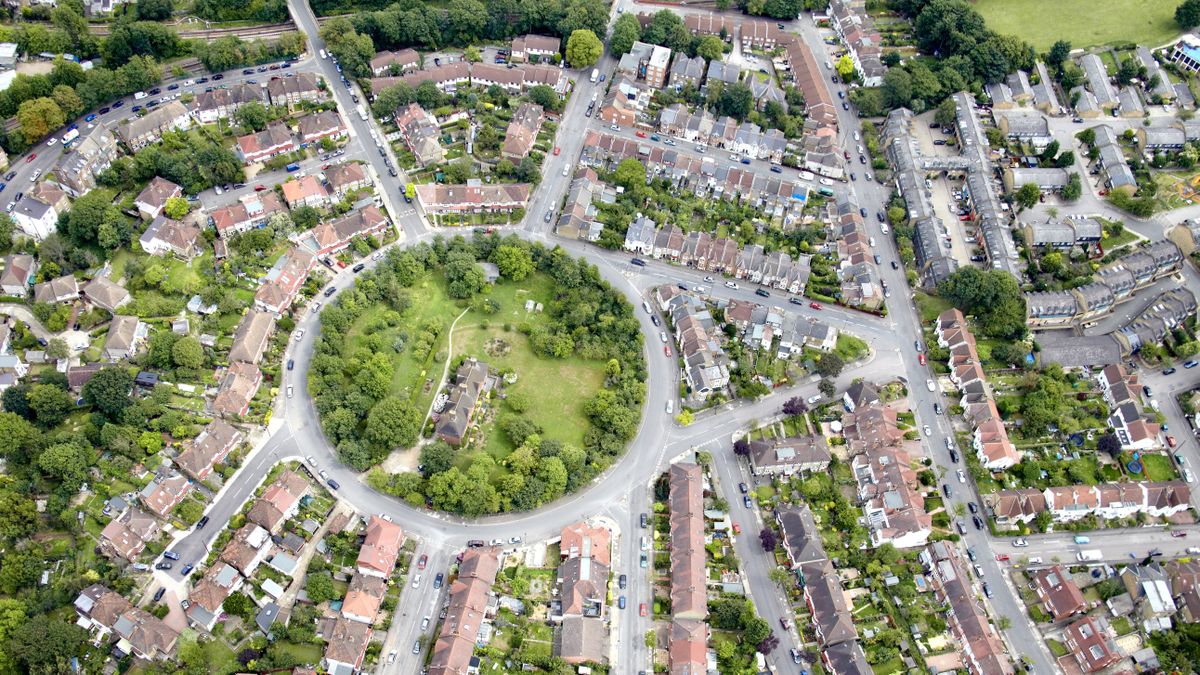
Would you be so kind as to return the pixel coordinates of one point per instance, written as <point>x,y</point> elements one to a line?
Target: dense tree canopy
<point>993,296</point>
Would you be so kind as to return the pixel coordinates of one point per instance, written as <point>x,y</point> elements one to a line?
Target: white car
<point>36,175</point>
<point>392,656</point>
<point>1189,476</point>
<point>417,580</point>
<point>856,136</point>
<point>312,461</point>
<point>928,431</point>
<point>814,398</point>
<point>662,334</point>
<point>424,624</point>
<point>615,127</point>
<point>289,391</point>
<point>299,335</point>
<point>730,284</point>
<point>826,182</point>
<point>930,385</point>
<point>962,477</point>
<point>1020,543</point>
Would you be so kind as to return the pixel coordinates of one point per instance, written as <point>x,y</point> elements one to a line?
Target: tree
<point>66,461</point>
<point>515,262</point>
<point>50,404</point>
<point>57,349</point>
<point>583,49</point>
<point>393,423</point>
<point>154,10</point>
<point>320,588</point>
<point>768,644</point>
<point>625,32</point>
<point>1027,195</point>
<point>1187,14</point>
<point>630,174</point>
<point>38,117</point>
<point>710,48</point>
<point>108,391</point>
<point>767,538</point>
<point>238,604</point>
<point>437,457</point>
<point>993,296</point>
<point>1059,52</point>
<point>545,96</point>
<point>45,644</point>
<point>896,88</point>
<point>254,115</point>
<point>736,100</point>
<point>827,388</point>
<point>845,68</point>
<point>795,406</point>
<point>741,447</point>
<point>1074,188</point>
<point>187,352</point>
<point>946,113</point>
<point>1110,444</point>
<point>176,207</point>
<point>685,418</point>
<point>830,365</point>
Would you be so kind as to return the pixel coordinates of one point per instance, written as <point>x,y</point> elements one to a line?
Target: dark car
<point>476,543</point>
<point>937,408</point>
<point>330,291</point>
<point>978,522</point>
<point>1168,371</point>
<point>862,212</point>
<point>845,106</point>
<point>159,593</point>
<point>202,522</point>
<point>105,111</point>
<point>187,569</point>
<point>895,266</point>
<point>879,216</point>
<point>172,87</point>
<point>622,581</point>
<point>10,175</point>
<point>202,80</point>
<point>745,489</point>
<point>155,91</point>
<point>163,566</point>
<point>1146,390</point>
<point>291,363</point>
<point>219,76</point>
<point>118,104</point>
<point>775,169</point>
<point>437,581</point>
<point>796,301</point>
<point>761,293</point>
<point>946,490</point>
<point>655,320</point>
<point>747,503</point>
<point>953,455</point>
<point>682,287</point>
<point>333,484</point>
<point>638,261</point>
<point>358,268</point>
<point>171,555</point>
<point>644,520</point>
<point>972,507</point>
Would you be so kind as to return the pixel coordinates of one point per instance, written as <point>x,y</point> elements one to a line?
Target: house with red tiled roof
<point>280,501</point>
<point>208,449</point>
<point>276,139</point>
<point>440,199</point>
<point>162,495</point>
<point>305,191</point>
<point>584,540</point>
<point>237,389</point>
<point>1059,595</point>
<point>126,535</point>
<point>1010,507</point>
<point>283,280</point>
<point>363,598</point>
<point>332,237</point>
<point>1091,643</point>
<point>252,210</point>
<point>381,547</point>
<point>346,644</point>
<point>466,611</point>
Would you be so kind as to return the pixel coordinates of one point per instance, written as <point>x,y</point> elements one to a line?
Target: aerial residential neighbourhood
<point>827,337</point>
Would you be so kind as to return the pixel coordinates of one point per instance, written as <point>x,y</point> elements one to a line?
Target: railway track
<point>244,32</point>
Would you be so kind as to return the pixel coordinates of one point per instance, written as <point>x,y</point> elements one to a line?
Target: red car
<point>32,156</point>
<point>921,359</point>
<point>1002,557</point>
<point>1170,441</point>
<point>815,305</point>
<point>642,609</point>
<point>737,529</point>
<point>641,134</point>
<point>667,350</point>
<point>422,561</point>
<point>260,188</point>
<point>557,150</point>
<point>784,623</point>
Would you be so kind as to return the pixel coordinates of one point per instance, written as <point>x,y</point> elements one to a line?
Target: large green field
<point>557,389</point>
<point>1084,23</point>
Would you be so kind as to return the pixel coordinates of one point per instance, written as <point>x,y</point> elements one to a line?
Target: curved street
<point>622,493</point>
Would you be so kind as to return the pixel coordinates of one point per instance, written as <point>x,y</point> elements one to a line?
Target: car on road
<point>260,188</point>
<point>32,156</point>
<point>330,291</point>
<point>795,655</point>
<point>1170,441</point>
<point>761,293</point>
<point>640,134</point>
<point>666,350</point>
<point>289,391</point>
<point>953,455</point>
<point>1168,371</point>
<point>796,301</point>
<point>643,520</point>
<point>557,150</point>
<point>930,385</point>
<point>1020,543</point>
<point>815,305</point>
<point>642,609</point>
<point>163,566</point>
<point>743,488</point>
<point>1187,475</point>
<point>439,580</point>
<point>644,562</point>
<point>776,169</point>
<point>987,590</point>
<point>622,581</point>
<point>424,623</point>
<point>159,593</point>
<point>921,359</point>
<point>662,335</point>
<point>971,553</point>
<point>946,490</point>
<point>730,284</point>
<point>813,399</point>
<point>621,602</point>
<point>927,430</point>
<point>638,261</point>
<point>655,320</point>
<point>1179,534</point>
<point>962,528</point>
<point>417,647</point>
<point>937,408</point>
<point>416,582</point>
<point>747,503</point>
<point>171,555</point>
<point>784,623</point>
<point>201,523</point>
<point>962,477</point>
<point>187,569</point>
<point>972,507</point>
<point>1191,363</point>
<point>422,561</point>
<point>358,268</point>
<point>392,656</point>
<point>1146,390</point>
<point>333,484</point>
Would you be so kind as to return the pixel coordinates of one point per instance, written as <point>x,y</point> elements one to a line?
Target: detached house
<point>126,535</point>
<point>168,236</point>
<point>151,201</point>
<point>125,336</point>
<point>102,292</point>
<point>19,272</point>
<point>380,549</point>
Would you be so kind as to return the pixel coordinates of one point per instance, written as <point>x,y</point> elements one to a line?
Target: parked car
<point>159,593</point>
<point>187,569</point>
<point>202,522</point>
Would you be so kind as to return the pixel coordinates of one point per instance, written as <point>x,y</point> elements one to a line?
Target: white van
<point>670,407</point>
<point>324,55</point>
<point>139,95</point>
<point>646,306</point>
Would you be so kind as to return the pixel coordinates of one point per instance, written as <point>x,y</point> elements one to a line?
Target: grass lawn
<point>1148,22</point>
<point>310,654</point>
<point>1158,468</point>
<point>930,306</point>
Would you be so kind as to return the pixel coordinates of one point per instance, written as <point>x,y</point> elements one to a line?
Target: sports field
<point>1084,23</point>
